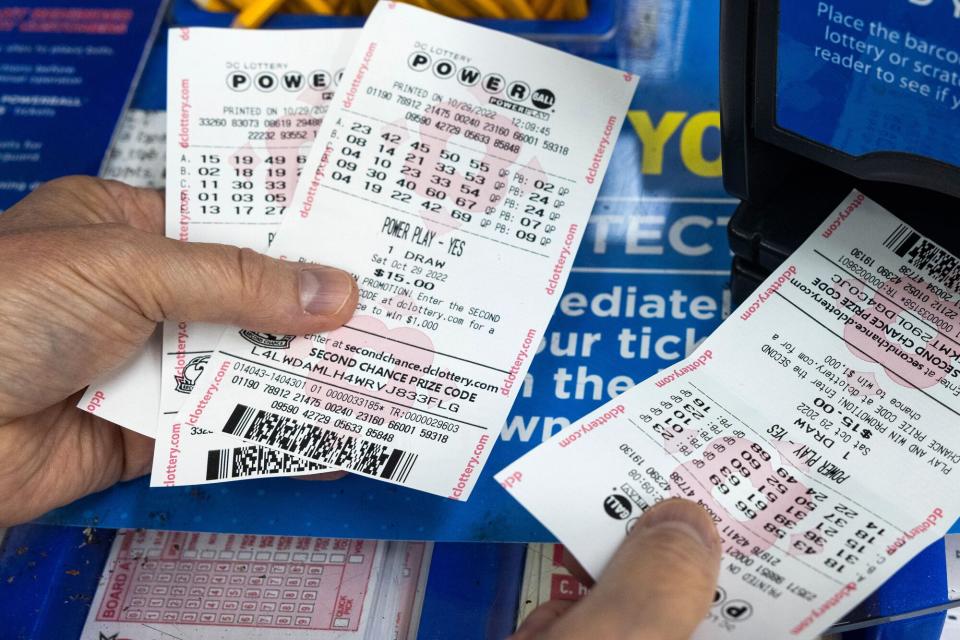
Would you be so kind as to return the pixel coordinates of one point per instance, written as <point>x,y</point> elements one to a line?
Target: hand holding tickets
<point>239,166</point>
<point>86,279</point>
<point>443,168</point>
<point>853,333</point>
<point>462,161</point>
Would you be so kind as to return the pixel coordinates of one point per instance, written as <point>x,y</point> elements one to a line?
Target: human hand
<point>658,586</point>
<point>85,277</point>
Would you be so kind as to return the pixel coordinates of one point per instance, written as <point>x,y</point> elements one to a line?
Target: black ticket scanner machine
<point>818,97</point>
<point>822,96</point>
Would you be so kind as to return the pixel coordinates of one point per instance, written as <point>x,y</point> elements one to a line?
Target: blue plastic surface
<point>921,628</point>
<point>658,230</point>
<point>473,591</point>
<point>48,576</point>
<point>151,91</point>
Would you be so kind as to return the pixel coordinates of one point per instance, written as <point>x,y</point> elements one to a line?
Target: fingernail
<point>685,517</point>
<point>324,291</point>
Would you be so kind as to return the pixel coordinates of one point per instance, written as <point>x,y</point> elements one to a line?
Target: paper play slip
<point>817,425</point>
<point>243,109</point>
<point>453,176</point>
<point>213,586</point>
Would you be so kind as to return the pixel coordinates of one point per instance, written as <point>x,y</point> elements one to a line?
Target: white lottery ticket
<point>213,586</point>
<point>243,108</point>
<point>786,425</point>
<point>453,177</point>
<point>130,396</point>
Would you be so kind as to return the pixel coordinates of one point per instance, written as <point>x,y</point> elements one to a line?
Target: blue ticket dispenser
<point>822,96</point>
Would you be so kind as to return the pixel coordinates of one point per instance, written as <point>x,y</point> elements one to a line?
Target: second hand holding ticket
<point>786,425</point>
<point>453,176</point>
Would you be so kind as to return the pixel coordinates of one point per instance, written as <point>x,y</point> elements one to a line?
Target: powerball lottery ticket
<point>817,426</point>
<point>453,176</point>
<point>243,111</point>
<point>213,586</point>
<point>130,397</point>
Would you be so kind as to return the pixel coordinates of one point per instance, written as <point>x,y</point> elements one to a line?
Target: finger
<point>82,200</point>
<point>541,619</point>
<point>223,284</point>
<point>137,454</point>
<point>324,477</point>
<point>659,584</point>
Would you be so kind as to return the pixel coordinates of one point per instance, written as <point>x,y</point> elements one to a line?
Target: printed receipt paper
<point>243,111</point>
<point>453,176</point>
<point>785,425</point>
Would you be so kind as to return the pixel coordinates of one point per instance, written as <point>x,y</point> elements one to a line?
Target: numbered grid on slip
<point>207,584</point>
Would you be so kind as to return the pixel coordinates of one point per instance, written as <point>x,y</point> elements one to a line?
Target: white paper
<point>817,425</point>
<point>453,177</point>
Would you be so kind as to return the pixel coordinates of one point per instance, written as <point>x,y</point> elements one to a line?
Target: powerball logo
<point>516,91</point>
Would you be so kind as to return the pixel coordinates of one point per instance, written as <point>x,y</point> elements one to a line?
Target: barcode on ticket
<point>244,462</point>
<point>926,256</point>
<point>305,439</point>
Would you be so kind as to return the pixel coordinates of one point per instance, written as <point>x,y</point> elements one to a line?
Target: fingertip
<point>329,476</point>
<point>137,454</point>
<point>686,516</point>
<point>327,295</point>
<point>663,577</point>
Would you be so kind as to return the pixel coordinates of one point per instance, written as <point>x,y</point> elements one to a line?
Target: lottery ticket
<point>785,425</point>
<point>243,108</point>
<point>130,396</point>
<point>453,177</point>
<point>214,586</point>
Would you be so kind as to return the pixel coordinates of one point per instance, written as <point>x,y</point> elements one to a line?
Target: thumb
<point>659,584</point>
<point>225,284</point>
